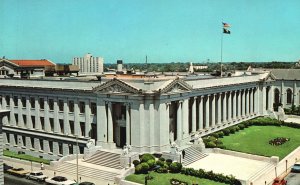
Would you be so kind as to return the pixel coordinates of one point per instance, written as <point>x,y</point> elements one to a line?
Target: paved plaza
<point>239,167</point>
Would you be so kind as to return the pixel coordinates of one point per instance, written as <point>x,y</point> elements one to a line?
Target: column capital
<point>180,101</point>
<point>168,103</point>
<point>108,103</point>
<point>127,104</point>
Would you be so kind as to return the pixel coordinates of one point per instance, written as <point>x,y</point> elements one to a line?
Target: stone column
<point>65,149</point>
<point>77,128</point>
<point>20,112</point>
<point>234,100</point>
<point>282,98</point>
<point>201,115</point>
<point>194,114</point>
<point>185,118</point>
<point>179,119</point>
<point>239,104</point>
<point>37,145</point>
<point>87,119</point>
<point>46,146</point>
<point>247,101</point>
<point>224,108</point>
<point>110,123</point>
<point>264,96</point>
<point>256,100</point>
<point>66,118</point>
<point>243,97</point>
<point>219,109</point>
<point>46,115</point>
<point>28,142</point>
<point>56,117</point>
<point>213,110</point>
<point>229,107</point>
<point>251,101</point>
<point>207,112</point>
<point>151,123</point>
<point>28,113</point>
<point>12,111</point>
<point>128,125</point>
<point>271,99</point>
<point>37,118</point>
<point>101,122</point>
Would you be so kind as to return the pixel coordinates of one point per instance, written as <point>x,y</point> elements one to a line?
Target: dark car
<point>296,168</point>
<point>84,183</point>
<point>6,167</point>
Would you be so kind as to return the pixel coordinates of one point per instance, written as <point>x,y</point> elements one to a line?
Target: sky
<point>164,30</point>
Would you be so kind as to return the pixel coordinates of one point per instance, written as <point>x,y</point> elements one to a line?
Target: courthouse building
<point>148,114</point>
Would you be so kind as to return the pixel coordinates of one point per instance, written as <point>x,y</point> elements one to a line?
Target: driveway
<point>293,179</point>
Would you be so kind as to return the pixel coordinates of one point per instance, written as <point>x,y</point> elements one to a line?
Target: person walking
<point>183,153</point>
<point>42,166</point>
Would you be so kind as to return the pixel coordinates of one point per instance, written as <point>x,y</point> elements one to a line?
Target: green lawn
<point>8,153</point>
<point>164,179</point>
<point>255,140</point>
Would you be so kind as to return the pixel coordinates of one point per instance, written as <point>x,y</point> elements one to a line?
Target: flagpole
<point>221,50</point>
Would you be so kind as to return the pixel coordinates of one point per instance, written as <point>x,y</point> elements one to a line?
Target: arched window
<point>276,96</point>
<point>289,94</point>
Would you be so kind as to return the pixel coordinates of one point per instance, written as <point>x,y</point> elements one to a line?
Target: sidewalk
<point>50,172</point>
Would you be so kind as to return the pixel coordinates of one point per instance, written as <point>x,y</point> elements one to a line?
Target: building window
<point>8,137</point>
<point>15,101</point>
<point>23,100</point>
<point>23,141</point>
<point>81,107</point>
<point>42,144</point>
<point>71,106</point>
<point>93,108</point>
<point>16,139</point>
<point>61,105</point>
<point>32,102</point>
<point>7,99</point>
<point>41,102</point>
<point>42,123</point>
<point>82,128</point>
<point>81,149</point>
<point>51,146</point>
<point>16,118</point>
<point>51,104</point>
<point>61,124</point>
<point>32,142</point>
<point>70,149</point>
<point>33,121</point>
<point>71,127</point>
<point>289,94</point>
<point>60,148</point>
<point>51,124</point>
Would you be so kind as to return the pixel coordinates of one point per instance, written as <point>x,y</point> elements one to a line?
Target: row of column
<point>220,108</point>
<point>46,113</point>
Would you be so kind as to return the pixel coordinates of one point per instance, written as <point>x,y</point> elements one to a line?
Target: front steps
<point>88,171</point>
<point>192,155</point>
<point>105,158</point>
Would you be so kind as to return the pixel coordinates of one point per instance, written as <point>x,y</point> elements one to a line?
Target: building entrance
<point>119,123</point>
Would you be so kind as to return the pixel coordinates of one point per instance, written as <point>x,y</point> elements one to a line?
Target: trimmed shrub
<point>242,126</point>
<point>138,169</point>
<point>231,130</point>
<point>237,128</point>
<point>214,135</point>
<point>210,144</point>
<point>169,161</point>
<point>226,132</point>
<point>161,159</point>
<point>212,138</point>
<point>145,168</point>
<point>136,162</point>
<point>175,167</point>
<point>151,163</point>
<point>147,157</point>
<point>220,134</point>
<point>162,170</point>
<point>160,163</point>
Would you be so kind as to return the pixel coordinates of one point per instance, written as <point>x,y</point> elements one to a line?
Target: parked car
<point>279,181</point>
<point>59,180</point>
<point>18,172</point>
<point>296,168</point>
<point>84,183</point>
<point>6,167</point>
<point>38,176</point>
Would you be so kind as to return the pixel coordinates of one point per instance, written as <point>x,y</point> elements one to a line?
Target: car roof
<point>297,162</point>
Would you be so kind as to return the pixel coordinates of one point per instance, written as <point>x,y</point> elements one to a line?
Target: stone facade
<point>148,114</point>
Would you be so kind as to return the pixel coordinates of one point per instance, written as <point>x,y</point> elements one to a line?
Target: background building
<point>89,64</point>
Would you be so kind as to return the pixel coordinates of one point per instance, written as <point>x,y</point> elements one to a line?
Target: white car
<point>59,180</point>
<point>38,176</point>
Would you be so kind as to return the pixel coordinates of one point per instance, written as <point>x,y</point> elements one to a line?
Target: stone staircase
<point>87,171</point>
<point>192,155</point>
<point>105,158</point>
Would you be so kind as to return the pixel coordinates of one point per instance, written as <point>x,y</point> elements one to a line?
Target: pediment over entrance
<point>177,85</point>
<point>269,77</point>
<point>116,86</point>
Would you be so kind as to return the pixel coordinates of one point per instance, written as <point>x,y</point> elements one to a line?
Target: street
<point>293,179</point>
<point>13,180</point>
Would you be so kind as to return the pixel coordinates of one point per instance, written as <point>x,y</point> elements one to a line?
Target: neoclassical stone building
<point>46,116</point>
